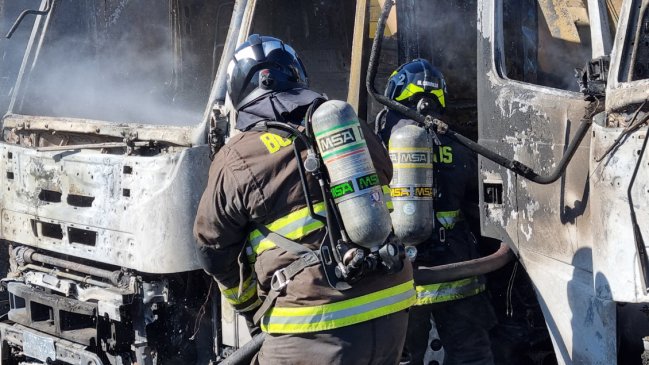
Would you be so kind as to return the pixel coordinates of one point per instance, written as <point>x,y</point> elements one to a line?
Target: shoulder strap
<point>261,126</point>
<point>281,277</point>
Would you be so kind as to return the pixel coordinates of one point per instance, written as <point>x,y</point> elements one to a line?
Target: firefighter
<point>461,309</point>
<point>253,193</point>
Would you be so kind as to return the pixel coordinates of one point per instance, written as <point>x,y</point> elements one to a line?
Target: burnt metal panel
<point>66,352</point>
<point>617,257</point>
<point>149,229</point>
<point>57,315</point>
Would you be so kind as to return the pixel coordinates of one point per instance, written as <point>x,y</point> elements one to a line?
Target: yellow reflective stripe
<point>293,226</point>
<point>388,197</point>
<point>452,290</point>
<point>449,218</point>
<point>412,89</point>
<point>235,297</point>
<point>412,166</point>
<point>440,96</point>
<point>339,314</point>
<point>408,91</point>
<point>288,219</point>
<point>409,149</point>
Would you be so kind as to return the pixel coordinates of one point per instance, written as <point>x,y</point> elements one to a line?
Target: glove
<point>252,327</point>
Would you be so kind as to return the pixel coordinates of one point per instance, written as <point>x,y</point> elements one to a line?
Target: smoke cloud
<point>112,68</point>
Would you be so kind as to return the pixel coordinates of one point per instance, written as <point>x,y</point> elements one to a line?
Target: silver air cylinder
<point>355,185</point>
<point>411,187</point>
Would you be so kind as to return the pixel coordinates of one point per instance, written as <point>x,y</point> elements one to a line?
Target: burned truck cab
<point>112,110</point>
<point>579,238</point>
<point>103,158</point>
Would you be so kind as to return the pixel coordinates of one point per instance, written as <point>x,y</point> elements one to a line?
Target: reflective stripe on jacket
<point>448,219</point>
<point>240,294</point>
<point>294,226</point>
<point>452,290</point>
<point>339,314</point>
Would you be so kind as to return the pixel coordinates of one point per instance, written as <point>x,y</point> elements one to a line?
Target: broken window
<point>636,66</point>
<point>320,32</point>
<point>12,49</point>
<point>545,41</point>
<point>126,61</point>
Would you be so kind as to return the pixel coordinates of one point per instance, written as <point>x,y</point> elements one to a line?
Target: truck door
<point>529,108</point>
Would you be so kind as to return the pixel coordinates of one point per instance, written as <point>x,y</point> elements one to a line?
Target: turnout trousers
<point>375,342</point>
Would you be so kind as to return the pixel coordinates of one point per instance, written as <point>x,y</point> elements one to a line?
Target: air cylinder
<point>410,149</point>
<point>354,183</point>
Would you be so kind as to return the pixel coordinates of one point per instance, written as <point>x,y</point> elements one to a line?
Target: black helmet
<point>262,65</point>
<point>415,80</point>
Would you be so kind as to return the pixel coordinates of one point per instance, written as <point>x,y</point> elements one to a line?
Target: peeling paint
<point>527,234</point>
<point>531,208</point>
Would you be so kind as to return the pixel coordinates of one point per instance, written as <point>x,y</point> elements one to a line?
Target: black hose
<point>246,352</point>
<point>465,269</point>
<point>430,123</point>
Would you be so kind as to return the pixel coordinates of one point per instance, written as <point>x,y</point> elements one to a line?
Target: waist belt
<point>445,292</point>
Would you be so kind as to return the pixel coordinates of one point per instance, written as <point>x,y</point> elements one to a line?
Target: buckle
<point>442,234</point>
<point>279,280</point>
<point>310,258</point>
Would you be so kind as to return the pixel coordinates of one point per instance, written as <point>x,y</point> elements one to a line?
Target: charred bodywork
<point>576,238</point>
<point>113,109</point>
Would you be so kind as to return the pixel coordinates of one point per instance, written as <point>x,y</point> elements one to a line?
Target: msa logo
<point>342,189</point>
<point>346,136</point>
<point>399,192</point>
<point>365,182</point>
<point>423,192</point>
<point>413,157</point>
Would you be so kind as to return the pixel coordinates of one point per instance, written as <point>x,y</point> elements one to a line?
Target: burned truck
<point>111,111</point>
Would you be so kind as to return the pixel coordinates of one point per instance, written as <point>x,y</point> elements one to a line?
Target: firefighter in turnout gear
<point>461,309</point>
<point>254,204</point>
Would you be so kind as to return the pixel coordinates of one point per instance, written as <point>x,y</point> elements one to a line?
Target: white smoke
<point>119,76</point>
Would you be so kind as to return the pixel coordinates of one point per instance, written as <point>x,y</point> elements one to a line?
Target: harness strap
<point>261,126</point>
<point>281,277</point>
